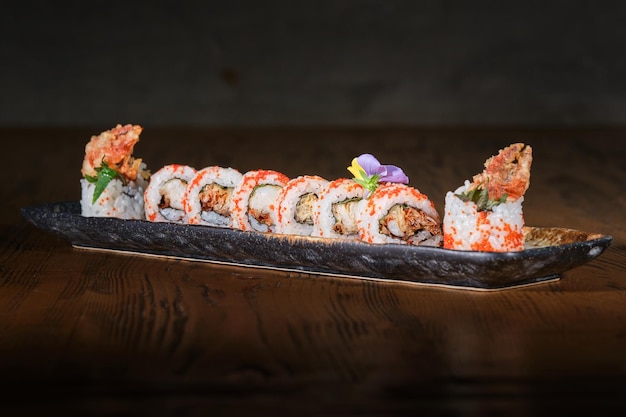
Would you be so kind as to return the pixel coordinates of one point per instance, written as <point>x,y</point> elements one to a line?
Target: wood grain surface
<point>92,333</point>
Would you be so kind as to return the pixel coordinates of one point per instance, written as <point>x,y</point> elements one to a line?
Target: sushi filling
<point>304,209</point>
<point>346,214</point>
<point>172,192</point>
<point>408,223</point>
<point>260,212</point>
<point>215,198</point>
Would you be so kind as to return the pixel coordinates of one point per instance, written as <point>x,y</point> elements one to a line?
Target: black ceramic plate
<point>549,251</point>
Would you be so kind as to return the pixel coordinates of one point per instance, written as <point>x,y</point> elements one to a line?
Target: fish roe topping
<point>449,241</point>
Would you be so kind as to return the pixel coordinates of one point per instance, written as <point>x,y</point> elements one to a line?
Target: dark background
<point>286,62</point>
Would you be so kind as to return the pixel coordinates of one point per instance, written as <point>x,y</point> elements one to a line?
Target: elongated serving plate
<point>549,251</point>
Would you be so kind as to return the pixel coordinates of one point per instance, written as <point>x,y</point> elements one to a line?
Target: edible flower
<point>104,175</point>
<point>368,172</point>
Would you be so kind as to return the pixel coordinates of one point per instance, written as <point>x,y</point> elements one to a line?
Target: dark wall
<point>291,62</point>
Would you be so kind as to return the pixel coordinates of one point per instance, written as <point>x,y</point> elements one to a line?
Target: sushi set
<point>372,226</point>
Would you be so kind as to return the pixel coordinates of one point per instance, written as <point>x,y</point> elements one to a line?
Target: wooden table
<point>90,332</point>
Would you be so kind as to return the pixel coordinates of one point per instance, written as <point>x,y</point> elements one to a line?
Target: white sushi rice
<point>124,201</point>
<point>465,228</point>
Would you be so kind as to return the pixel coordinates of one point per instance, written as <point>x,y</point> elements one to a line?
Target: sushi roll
<point>208,197</point>
<point>295,204</point>
<point>486,214</point>
<point>254,200</point>
<point>399,213</point>
<point>338,209</point>
<point>164,195</point>
<point>113,180</point>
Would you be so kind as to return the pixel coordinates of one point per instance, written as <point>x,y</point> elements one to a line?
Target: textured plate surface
<point>549,251</point>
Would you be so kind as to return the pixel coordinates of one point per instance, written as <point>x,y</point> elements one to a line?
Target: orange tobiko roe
<point>513,237</point>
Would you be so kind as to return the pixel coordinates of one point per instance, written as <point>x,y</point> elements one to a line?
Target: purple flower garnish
<point>369,172</point>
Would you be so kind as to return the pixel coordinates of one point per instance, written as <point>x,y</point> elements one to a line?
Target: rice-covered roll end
<point>466,227</point>
<point>486,214</point>
<point>164,196</point>
<point>113,180</point>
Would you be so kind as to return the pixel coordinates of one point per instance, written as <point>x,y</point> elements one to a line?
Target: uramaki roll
<point>208,197</point>
<point>399,213</point>
<point>295,204</point>
<point>254,200</point>
<point>165,192</point>
<point>338,209</point>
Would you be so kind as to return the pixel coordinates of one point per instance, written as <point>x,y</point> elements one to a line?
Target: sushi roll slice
<point>399,213</point>
<point>254,200</point>
<point>486,214</point>
<point>208,197</point>
<point>338,209</point>
<point>164,195</point>
<point>113,180</point>
<point>295,204</point>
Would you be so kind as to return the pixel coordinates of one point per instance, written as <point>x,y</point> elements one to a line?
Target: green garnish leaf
<point>480,196</point>
<point>369,183</point>
<point>104,175</point>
